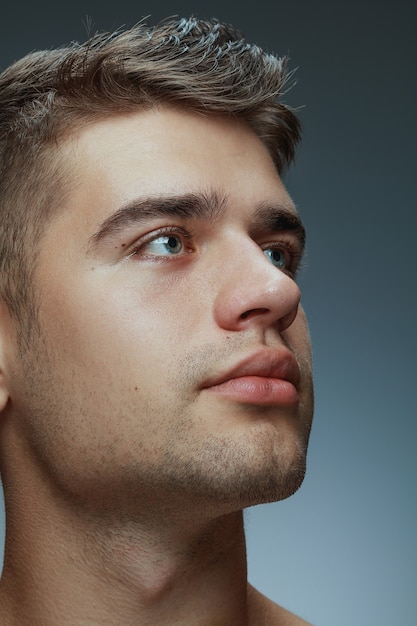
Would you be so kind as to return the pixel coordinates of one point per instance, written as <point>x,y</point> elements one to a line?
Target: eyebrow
<point>201,206</point>
<point>207,206</point>
<point>278,218</point>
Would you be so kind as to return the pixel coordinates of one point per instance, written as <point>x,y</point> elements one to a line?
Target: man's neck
<point>125,573</point>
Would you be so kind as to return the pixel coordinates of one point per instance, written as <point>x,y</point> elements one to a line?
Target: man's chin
<point>273,490</point>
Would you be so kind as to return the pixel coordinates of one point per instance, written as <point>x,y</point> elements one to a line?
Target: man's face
<point>173,364</point>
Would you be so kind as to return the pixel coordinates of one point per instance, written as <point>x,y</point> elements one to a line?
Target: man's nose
<point>253,292</point>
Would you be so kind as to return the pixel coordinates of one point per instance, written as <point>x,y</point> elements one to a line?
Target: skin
<point>125,470</point>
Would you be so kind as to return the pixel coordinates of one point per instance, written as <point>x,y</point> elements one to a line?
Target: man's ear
<point>4,339</point>
<point>4,392</point>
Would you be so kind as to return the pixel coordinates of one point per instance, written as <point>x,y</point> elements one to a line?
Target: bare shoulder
<point>264,612</point>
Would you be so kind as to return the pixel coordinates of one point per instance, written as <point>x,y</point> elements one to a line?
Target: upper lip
<point>268,363</point>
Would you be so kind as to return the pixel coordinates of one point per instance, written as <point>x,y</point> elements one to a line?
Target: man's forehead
<point>135,160</point>
<point>146,132</point>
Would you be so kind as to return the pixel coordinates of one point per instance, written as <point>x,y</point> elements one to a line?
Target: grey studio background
<point>342,551</point>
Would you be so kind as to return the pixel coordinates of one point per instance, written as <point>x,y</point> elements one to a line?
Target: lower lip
<point>258,390</point>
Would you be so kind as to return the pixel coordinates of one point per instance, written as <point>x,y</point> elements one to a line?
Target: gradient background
<point>343,550</point>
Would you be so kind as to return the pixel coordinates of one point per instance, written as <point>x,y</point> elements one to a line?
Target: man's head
<point>199,65</point>
<point>150,234</point>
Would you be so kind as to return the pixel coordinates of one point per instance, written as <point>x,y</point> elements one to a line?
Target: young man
<point>155,370</point>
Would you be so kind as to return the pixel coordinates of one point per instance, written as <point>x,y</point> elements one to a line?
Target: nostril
<point>252,313</point>
<point>286,321</point>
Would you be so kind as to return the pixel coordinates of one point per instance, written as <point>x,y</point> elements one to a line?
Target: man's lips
<point>268,377</point>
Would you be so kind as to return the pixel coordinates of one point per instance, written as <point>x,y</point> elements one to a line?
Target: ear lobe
<point>4,394</point>
<point>4,391</point>
<point>4,338</point>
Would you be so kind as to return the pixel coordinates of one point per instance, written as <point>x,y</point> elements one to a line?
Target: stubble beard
<point>213,475</point>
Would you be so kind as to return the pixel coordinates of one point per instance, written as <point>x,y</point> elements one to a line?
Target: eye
<point>164,245</point>
<point>278,257</point>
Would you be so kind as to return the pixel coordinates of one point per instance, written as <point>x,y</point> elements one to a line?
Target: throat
<point>152,571</point>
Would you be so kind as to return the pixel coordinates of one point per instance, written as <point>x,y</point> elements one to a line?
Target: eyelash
<point>187,235</point>
<point>292,251</point>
